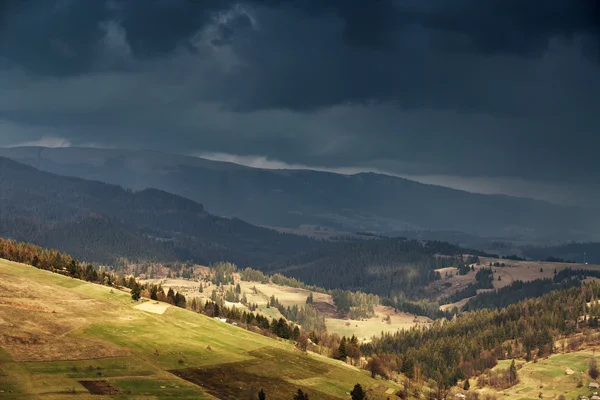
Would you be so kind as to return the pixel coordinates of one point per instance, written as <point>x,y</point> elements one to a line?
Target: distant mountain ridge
<point>290,198</point>
<point>104,221</point>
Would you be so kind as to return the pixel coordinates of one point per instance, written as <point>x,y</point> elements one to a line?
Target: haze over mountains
<point>101,222</point>
<point>291,198</point>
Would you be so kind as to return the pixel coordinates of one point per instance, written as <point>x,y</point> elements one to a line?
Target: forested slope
<point>94,219</point>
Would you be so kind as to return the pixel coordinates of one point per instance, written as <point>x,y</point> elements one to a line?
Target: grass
<point>55,331</point>
<point>548,377</point>
<point>365,329</point>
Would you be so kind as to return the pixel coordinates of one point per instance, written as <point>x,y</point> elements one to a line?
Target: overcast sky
<point>494,95</point>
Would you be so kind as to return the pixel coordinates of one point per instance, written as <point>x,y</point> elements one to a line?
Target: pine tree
<point>300,395</point>
<point>262,395</point>
<point>358,393</point>
<point>342,349</point>
<point>171,296</point>
<point>295,333</point>
<point>309,299</point>
<point>136,292</point>
<point>593,371</point>
<point>513,378</point>
<point>467,385</point>
<point>154,293</point>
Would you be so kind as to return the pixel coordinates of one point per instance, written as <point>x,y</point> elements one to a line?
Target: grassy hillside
<point>549,377</point>
<point>57,331</point>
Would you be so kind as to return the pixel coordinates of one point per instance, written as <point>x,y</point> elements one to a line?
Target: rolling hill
<point>65,338</point>
<point>104,222</point>
<point>290,198</point>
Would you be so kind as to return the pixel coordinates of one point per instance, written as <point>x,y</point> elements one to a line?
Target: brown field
<point>525,271</point>
<point>100,387</point>
<point>47,334</point>
<point>449,285</point>
<point>288,296</point>
<point>175,283</point>
<point>365,329</point>
<point>459,304</point>
<point>153,307</point>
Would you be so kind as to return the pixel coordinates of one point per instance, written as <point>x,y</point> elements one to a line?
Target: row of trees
<point>61,263</point>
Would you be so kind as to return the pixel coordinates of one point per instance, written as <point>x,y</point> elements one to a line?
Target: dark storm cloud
<point>59,36</point>
<point>513,26</point>
<point>464,87</point>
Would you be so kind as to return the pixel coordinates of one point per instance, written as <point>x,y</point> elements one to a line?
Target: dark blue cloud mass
<point>470,88</point>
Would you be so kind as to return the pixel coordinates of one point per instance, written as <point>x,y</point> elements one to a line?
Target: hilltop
<point>103,222</point>
<point>291,198</point>
<point>59,331</point>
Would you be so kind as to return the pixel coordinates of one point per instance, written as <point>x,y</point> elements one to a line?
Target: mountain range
<point>101,222</point>
<point>292,198</point>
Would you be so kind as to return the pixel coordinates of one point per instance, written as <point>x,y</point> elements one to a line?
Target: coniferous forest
<point>469,344</point>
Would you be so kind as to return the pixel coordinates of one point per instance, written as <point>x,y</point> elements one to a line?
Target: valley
<point>299,200</point>
<point>312,308</point>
